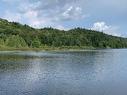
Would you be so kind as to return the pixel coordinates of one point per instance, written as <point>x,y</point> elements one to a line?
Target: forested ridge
<point>16,35</point>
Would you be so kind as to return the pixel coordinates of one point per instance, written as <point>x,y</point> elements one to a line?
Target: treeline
<point>16,35</point>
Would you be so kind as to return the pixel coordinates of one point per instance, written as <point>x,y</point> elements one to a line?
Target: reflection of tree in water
<point>9,67</point>
<point>14,57</point>
<point>16,62</point>
<point>12,63</point>
<point>21,57</point>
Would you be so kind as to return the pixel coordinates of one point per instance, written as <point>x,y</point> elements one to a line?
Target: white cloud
<point>31,16</point>
<point>60,27</point>
<point>72,13</point>
<point>40,13</point>
<point>108,29</point>
<point>12,16</point>
<point>100,26</point>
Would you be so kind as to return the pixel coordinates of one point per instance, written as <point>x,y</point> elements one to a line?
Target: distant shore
<point>66,48</point>
<point>50,48</point>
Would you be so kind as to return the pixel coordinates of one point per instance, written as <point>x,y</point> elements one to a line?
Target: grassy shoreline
<point>65,48</point>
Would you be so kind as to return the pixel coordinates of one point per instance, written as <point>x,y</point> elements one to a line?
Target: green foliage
<point>36,43</point>
<point>13,34</point>
<point>2,42</point>
<point>15,41</point>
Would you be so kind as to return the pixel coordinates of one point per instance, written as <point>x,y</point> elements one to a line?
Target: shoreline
<point>48,48</point>
<point>55,49</point>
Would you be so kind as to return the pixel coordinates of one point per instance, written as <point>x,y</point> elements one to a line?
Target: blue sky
<point>109,16</point>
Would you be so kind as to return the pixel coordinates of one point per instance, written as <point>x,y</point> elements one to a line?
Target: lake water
<point>93,72</point>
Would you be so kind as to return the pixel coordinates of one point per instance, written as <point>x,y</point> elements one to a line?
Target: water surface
<point>96,72</point>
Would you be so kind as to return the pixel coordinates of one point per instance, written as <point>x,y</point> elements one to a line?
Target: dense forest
<point>16,35</point>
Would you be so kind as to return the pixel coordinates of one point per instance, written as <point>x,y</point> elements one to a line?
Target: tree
<point>15,41</point>
<point>2,42</point>
<point>36,42</point>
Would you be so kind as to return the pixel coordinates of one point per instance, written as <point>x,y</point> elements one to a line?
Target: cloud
<point>56,10</point>
<point>72,13</point>
<point>100,26</point>
<point>61,27</point>
<point>41,13</point>
<point>12,16</point>
<point>108,29</point>
<point>67,13</point>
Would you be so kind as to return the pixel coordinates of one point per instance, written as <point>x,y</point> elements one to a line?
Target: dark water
<point>98,72</point>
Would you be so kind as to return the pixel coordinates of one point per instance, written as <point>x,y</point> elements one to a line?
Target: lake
<point>90,72</point>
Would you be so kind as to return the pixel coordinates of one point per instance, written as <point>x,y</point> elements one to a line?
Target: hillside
<point>16,35</point>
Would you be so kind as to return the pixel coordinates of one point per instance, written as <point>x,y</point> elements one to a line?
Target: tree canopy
<point>13,34</point>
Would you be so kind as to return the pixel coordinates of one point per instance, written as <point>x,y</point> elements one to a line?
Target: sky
<point>109,16</point>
